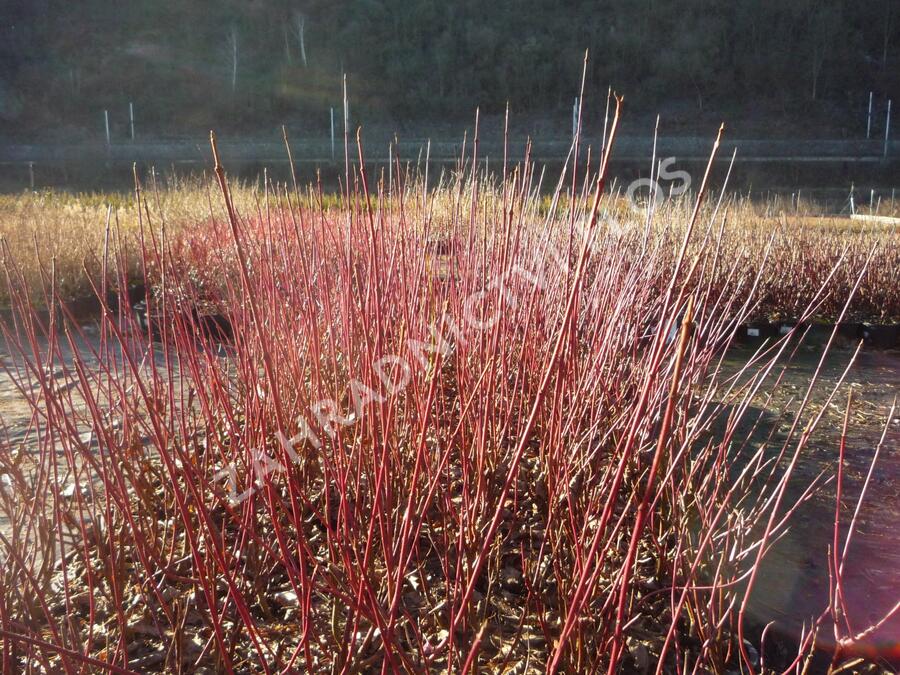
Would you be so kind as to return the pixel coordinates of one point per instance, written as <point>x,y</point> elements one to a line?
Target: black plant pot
<point>786,327</point>
<point>881,336</point>
<point>757,331</point>
<point>215,327</point>
<point>850,330</point>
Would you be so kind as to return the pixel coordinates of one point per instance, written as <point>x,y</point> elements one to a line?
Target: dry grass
<point>794,247</point>
<point>71,229</point>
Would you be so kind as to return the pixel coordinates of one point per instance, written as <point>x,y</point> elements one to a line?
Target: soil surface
<point>794,586</point>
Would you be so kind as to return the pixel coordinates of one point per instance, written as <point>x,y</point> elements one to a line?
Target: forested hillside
<point>245,65</point>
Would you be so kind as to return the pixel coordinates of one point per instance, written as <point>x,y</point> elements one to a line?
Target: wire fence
<point>320,150</point>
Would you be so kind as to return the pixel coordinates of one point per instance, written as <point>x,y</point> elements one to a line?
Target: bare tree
<point>233,41</point>
<point>818,58</point>
<point>75,77</point>
<point>300,21</point>
<point>824,24</point>
<point>287,47</point>
<point>888,28</point>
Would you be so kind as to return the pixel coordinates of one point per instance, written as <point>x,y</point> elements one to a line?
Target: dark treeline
<point>248,65</point>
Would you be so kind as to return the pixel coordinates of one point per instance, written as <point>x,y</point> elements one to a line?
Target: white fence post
<point>131,118</point>
<point>869,119</point>
<point>106,122</point>
<point>887,129</point>
<point>575,118</point>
